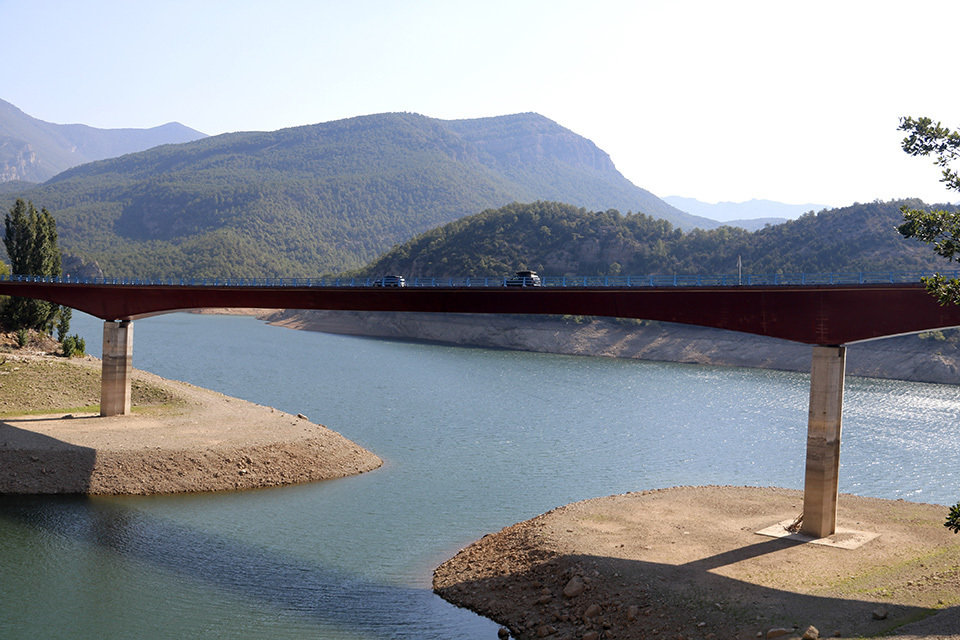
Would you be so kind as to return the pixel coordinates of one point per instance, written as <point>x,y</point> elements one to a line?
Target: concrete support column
<point>823,442</point>
<point>117,367</point>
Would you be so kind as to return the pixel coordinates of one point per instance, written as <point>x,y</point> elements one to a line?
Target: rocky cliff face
<point>18,161</point>
<point>78,268</point>
<point>525,139</point>
<point>900,358</point>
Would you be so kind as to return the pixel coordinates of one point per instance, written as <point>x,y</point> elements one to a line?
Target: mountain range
<point>400,192</point>
<point>322,198</point>
<point>32,150</point>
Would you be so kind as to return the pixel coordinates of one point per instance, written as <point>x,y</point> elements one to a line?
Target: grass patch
<point>35,386</point>
<point>866,582</point>
<point>90,408</point>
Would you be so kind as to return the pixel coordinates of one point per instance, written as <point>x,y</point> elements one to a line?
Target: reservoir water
<point>473,440</point>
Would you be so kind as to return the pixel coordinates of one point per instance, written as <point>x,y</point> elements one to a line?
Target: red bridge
<point>826,316</point>
<point>812,314</point>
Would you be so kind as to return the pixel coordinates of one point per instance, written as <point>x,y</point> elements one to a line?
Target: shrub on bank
<point>73,346</point>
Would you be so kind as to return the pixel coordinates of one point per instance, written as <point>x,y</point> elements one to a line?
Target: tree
<point>63,323</point>
<point>30,237</point>
<point>941,228</point>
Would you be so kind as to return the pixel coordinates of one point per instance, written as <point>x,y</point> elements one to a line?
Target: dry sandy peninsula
<point>194,440</point>
<point>687,563</point>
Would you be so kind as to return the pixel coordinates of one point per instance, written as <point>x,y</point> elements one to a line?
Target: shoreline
<point>687,562</point>
<point>906,358</point>
<point>201,441</point>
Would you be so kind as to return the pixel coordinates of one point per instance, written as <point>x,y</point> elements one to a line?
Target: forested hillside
<point>32,150</point>
<point>321,198</point>
<point>559,239</point>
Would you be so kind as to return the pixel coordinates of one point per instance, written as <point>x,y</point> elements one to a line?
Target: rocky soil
<point>687,563</point>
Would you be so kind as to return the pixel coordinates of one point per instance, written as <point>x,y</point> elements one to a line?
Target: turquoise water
<point>473,440</point>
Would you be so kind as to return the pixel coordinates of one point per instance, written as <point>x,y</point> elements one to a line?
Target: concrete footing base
<point>840,539</point>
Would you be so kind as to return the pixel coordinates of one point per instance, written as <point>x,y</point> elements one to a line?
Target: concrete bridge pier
<point>823,441</point>
<point>117,368</point>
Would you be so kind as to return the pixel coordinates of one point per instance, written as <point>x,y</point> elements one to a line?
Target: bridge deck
<point>812,314</point>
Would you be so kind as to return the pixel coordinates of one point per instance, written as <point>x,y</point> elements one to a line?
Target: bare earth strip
<point>687,563</point>
<point>191,439</point>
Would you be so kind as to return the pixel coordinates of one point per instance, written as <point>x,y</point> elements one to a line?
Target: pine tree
<point>63,323</point>
<point>30,237</point>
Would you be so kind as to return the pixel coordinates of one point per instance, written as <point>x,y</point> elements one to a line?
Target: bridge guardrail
<point>655,280</point>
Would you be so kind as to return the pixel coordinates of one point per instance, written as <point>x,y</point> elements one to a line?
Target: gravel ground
<point>687,563</point>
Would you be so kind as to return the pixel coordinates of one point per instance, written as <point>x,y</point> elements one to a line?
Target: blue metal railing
<point>675,280</point>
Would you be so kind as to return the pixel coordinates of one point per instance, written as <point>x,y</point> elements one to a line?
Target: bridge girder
<point>820,315</point>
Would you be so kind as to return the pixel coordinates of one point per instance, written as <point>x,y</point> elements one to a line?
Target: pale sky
<point>797,102</point>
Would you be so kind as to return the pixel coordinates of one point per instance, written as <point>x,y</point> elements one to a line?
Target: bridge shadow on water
<point>43,482</point>
<point>696,592</point>
<point>273,581</point>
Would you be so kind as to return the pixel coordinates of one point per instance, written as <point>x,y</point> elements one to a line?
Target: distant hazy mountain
<point>752,214</point>
<point>322,198</point>
<point>33,150</point>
